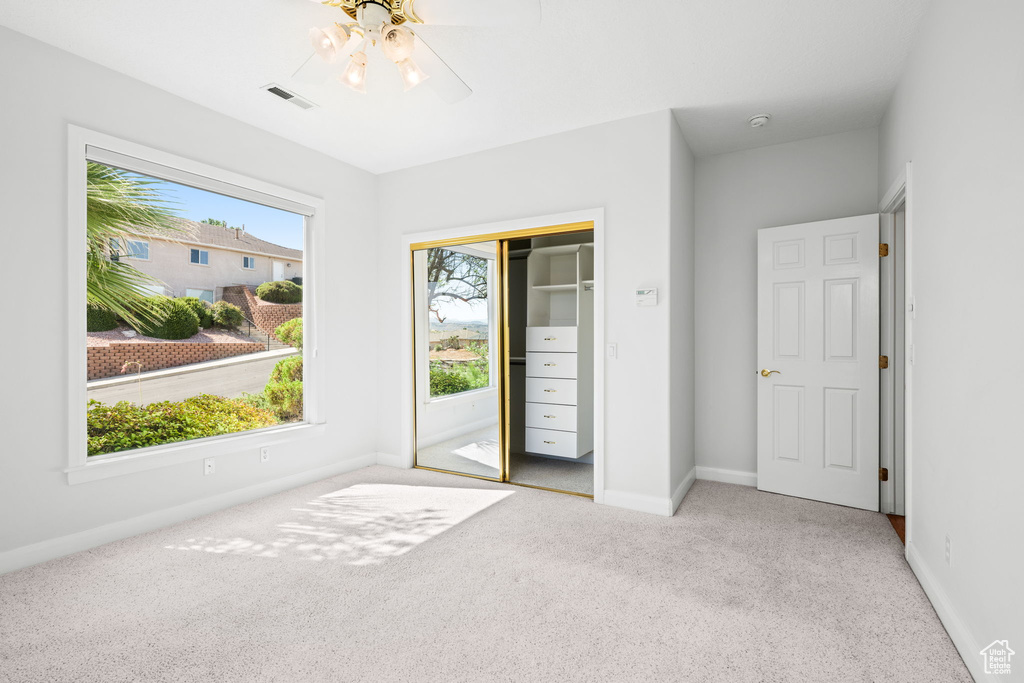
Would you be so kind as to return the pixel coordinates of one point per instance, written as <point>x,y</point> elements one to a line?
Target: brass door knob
<point>768,373</point>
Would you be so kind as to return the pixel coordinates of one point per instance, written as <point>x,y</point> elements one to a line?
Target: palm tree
<point>120,205</point>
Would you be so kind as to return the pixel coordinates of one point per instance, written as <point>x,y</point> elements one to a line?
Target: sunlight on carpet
<point>359,525</point>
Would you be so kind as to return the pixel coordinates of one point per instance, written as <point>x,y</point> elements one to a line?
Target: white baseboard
<point>654,505</point>
<point>967,646</point>
<point>392,460</point>
<point>28,555</point>
<point>683,488</point>
<point>727,476</point>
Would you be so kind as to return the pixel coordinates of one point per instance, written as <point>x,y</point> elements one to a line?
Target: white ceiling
<point>818,66</point>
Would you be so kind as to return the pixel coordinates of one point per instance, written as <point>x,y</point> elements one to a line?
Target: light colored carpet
<point>478,452</point>
<point>358,578</point>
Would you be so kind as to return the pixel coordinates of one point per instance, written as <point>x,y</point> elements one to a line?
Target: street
<point>229,381</point>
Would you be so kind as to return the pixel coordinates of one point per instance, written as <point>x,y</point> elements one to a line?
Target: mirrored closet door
<point>457,358</point>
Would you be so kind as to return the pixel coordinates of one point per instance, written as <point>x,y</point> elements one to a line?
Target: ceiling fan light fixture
<point>412,74</point>
<point>396,43</point>
<point>329,42</point>
<point>354,75</point>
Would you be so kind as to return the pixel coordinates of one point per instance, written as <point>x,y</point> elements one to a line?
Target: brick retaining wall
<point>267,316</point>
<point>106,361</point>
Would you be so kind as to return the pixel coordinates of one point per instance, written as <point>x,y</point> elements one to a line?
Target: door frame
<point>519,228</point>
<point>899,195</point>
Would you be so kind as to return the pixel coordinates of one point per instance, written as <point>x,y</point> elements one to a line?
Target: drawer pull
<point>550,442</point>
<point>550,338</point>
<point>551,391</point>
<point>551,417</point>
<point>550,365</point>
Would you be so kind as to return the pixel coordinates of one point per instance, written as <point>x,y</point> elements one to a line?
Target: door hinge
<point>883,362</point>
<point>883,249</point>
<point>883,474</point>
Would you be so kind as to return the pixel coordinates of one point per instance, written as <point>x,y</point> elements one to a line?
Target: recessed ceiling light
<point>759,120</point>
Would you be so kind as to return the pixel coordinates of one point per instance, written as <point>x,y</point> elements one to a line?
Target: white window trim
<point>85,144</point>
<point>249,258</point>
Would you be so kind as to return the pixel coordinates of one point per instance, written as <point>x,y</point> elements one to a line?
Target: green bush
<point>290,333</point>
<point>287,370</point>
<point>125,426</point>
<point>99,319</point>
<point>285,399</point>
<point>226,315</point>
<point>177,319</point>
<point>458,378</point>
<point>280,292</point>
<point>200,308</point>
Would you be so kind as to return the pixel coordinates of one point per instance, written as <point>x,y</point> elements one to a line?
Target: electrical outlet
<point>209,466</point>
<point>265,454</point>
<point>613,350</point>
<point>948,552</point>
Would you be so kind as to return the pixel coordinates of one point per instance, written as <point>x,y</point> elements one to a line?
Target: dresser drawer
<point>544,390</point>
<point>551,339</point>
<point>561,365</point>
<point>550,442</point>
<point>551,416</point>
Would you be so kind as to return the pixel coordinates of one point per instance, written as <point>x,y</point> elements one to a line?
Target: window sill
<point>143,459</point>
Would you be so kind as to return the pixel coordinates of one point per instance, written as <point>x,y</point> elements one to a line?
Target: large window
<point>201,294</point>
<point>245,372</point>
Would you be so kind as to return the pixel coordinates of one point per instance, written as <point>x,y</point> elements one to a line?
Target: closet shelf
<point>556,288</point>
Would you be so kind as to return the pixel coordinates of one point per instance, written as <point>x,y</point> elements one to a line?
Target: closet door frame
<point>572,223</point>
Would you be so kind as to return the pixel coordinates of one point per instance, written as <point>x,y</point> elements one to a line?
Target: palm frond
<point>120,205</point>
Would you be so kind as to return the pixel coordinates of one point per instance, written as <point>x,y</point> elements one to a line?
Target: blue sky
<point>272,225</point>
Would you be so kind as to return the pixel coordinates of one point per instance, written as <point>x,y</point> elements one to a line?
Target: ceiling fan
<point>386,24</point>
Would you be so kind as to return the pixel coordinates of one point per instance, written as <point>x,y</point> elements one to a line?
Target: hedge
<point>200,308</point>
<point>290,333</point>
<point>99,319</point>
<point>125,426</point>
<point>178,320</point>
<point>280,292</point>
<point>227,315</point>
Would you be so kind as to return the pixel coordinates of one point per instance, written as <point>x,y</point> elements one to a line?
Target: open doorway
<point>503,357</point>
<point>892,382</point>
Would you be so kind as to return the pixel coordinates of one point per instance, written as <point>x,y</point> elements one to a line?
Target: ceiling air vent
<point>288,96</point>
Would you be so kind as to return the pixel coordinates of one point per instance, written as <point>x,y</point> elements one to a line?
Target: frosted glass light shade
<point>412,74</point>
<point>354,75</point>
<point>396,43</point>
<point>329,42</point>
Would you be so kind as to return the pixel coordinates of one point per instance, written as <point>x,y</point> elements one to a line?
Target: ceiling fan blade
<point>445,82</point>
<point>478,12</point>
<point>313,71</point>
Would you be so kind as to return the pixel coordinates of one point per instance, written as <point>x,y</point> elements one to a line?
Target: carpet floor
<point>407,575</point>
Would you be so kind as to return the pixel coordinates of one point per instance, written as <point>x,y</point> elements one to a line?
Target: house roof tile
<point>225,238</point>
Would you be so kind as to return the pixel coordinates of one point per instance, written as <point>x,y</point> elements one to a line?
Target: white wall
<point>736,194</point>
<point>621,166</point>
<point>956,115</point>
<point>681,359</point>
<point>42,94</point>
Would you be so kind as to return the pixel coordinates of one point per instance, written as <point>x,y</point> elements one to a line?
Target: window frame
<point>199,256</point>
<point>248,259</point>
<point>88,145</point>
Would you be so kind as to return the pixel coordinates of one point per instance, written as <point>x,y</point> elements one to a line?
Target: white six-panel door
<point>817,325</point>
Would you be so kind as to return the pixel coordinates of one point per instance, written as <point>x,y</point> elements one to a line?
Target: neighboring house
<point>202,259</point>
